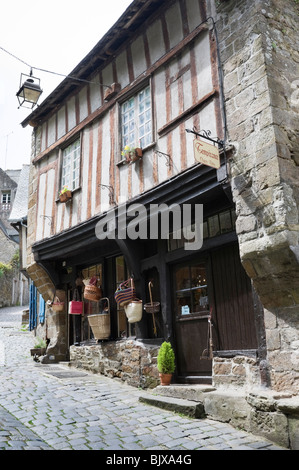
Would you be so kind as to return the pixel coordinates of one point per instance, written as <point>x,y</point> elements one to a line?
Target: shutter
<point>32,308</point>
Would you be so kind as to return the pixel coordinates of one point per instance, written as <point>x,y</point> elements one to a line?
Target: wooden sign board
<point>205,153</point>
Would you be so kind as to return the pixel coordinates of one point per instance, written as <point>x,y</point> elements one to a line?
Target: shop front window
<point>191,289</point>
<point>124,329</point>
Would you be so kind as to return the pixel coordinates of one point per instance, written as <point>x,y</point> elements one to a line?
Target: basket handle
<point>150,285</point>
<point>108,302</point>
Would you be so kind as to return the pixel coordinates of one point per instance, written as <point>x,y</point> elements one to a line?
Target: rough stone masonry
<point>260,59</point>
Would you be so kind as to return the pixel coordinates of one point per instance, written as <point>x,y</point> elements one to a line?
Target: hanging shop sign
<point>205,153</point>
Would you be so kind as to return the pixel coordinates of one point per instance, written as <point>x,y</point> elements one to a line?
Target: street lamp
<point>29,91</point>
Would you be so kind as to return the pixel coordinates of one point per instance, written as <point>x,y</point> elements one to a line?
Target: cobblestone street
<point>54,407</point>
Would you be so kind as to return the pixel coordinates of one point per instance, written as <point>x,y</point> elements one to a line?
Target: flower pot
<point>135,154</point>
<point>165,379</point>
<point>38,351</point>
<point>66,196</point>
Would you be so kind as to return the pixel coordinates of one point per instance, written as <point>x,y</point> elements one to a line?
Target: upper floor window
<point>6,197</point>
<point>70,176</point>
<point>136,120</point>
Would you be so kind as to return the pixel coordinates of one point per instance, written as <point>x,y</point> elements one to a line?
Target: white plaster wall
<point>40,207</point>
<point>139,63</point>
<point>174,24</point>
<point>155,41</point>
<point>203,64</point>
<point>52,130</point>
<point>71,113</point>
<point>61,128</point>
<point>193,14</point>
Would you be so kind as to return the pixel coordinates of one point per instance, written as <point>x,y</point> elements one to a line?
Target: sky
<point>52,35</point>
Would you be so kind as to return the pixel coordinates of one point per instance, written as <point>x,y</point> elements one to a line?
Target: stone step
<point>193,409</point>
<point>184,391</point>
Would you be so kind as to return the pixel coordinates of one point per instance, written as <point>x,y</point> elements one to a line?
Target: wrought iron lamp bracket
<point>166,156</point>
<point>111,192</point>
<point>206,135</point>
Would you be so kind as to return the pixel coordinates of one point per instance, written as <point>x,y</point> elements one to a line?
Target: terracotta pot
<point>136,155</point>
<point>64,197</point>
<point>165,379</point>
<point>38,351</point>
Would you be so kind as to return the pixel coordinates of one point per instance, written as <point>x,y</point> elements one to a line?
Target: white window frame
<point>6,197</point>
<point>136,119</point>
<point>70,165</point>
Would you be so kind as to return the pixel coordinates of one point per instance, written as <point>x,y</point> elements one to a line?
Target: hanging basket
<point>152,307</point>
<point>57,306</point>
<point>133,311</point>
<point>92,293</point>
<point>100,323</point>
<point>76,306</point>
<point>125,293</point>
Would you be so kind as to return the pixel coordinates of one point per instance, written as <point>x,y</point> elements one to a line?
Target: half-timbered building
<point>153,82</point>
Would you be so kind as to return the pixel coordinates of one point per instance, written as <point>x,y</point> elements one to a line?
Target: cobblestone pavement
<point>54,407</point>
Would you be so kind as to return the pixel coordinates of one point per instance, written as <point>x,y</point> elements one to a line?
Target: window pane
<point>71,165</point>
<point>225,222</point>
<point>214,228</point>
<point>191,289</point>
<point>136,120</point>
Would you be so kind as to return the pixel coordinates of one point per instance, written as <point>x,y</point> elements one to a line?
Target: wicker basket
<point>100,325</point>
<point>152,307</point>
<point>57,306</point>
<point>92,293</point>
<point>133,311</point>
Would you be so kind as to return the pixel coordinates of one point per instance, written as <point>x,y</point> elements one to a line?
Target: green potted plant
<point>65,194</point>
<point>131,154</point>
<point>39,348</point>
<point>166,363</point>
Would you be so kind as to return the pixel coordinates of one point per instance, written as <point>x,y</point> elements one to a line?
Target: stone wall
<point>239,372</point>
<point>258,44</point>
<point>131,361</point>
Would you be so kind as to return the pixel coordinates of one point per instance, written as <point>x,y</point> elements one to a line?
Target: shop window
<point>124,329</point>
<point>191,289</point>
<point>217,224</point>
<point>70,173</point>
<point>91,308</point>
<point>136,120</point>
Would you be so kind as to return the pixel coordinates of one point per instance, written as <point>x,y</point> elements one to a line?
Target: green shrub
<point>166,359</point>
<point>40,343</point>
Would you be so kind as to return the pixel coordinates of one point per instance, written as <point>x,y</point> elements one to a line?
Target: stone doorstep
<point>232,406</point>
<point>193,409</point>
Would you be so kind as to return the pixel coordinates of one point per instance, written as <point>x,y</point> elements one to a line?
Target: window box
<point>65,196</point>
<point>132,154</point>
